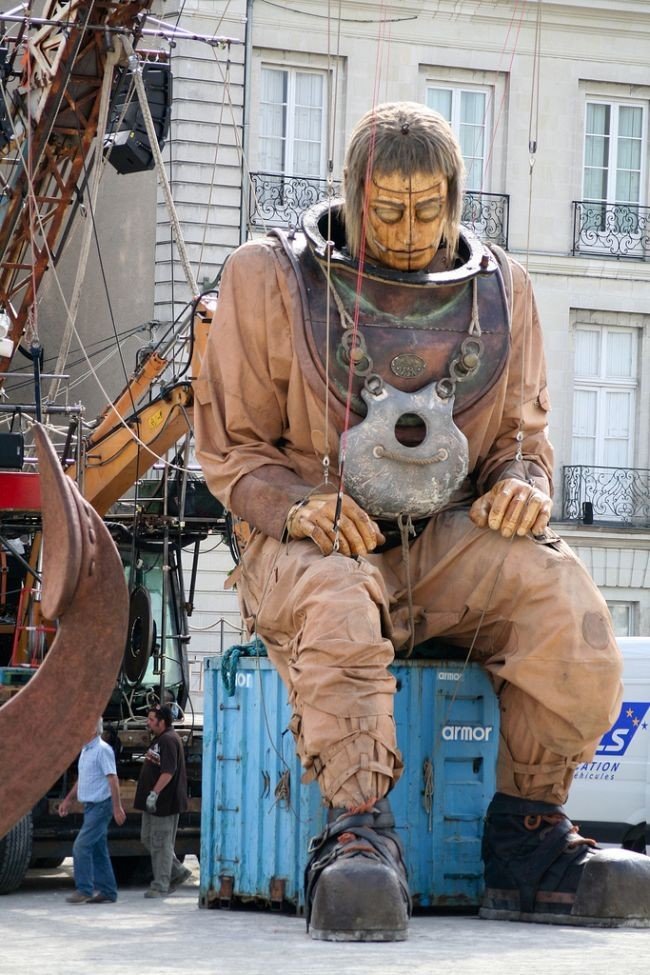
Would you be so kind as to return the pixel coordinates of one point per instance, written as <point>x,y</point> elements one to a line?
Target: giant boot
<point>355,881</point>
<point>538,868</point>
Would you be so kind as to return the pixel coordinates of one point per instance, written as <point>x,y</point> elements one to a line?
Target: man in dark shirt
<point>162,795</point>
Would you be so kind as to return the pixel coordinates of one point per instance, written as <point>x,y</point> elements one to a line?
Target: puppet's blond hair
<point>405,138</point>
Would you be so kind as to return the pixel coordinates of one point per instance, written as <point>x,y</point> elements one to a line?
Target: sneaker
<point>78,898</point>
<point>181,879</point>
<point>102,899</point>
<point>151,892</point>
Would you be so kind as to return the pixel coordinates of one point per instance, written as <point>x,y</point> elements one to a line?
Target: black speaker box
<point>12,451</point>
<point>126,143</point>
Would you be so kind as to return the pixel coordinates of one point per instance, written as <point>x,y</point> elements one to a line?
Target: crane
<point>51,84</point>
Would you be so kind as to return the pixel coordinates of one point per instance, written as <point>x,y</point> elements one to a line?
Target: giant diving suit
<point>436,381</point>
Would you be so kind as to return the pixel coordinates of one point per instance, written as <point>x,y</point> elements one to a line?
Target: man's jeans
<point>158,834</point>
<point>92,865</point>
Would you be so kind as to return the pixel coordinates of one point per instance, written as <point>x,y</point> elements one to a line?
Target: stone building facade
<point>551,101</point>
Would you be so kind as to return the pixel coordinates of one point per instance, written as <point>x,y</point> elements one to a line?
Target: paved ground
<point>39,932</point>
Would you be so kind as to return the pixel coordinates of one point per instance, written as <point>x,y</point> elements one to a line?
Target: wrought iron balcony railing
<point>613,495</point>
<point>488,215</point>
<point>278,201</point>
<point>619,230</point>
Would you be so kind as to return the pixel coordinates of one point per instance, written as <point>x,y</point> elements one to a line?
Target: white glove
<point>152,799</point>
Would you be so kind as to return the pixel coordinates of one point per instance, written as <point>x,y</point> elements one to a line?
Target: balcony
<point>620,230</point>
<point>614,496</point>
<point>278,201</point>
<point>487,214</point>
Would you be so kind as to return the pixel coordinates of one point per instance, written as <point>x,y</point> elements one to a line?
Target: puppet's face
<point>406,217</point>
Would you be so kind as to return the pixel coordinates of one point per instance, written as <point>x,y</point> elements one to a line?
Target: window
<point>292,122</point>
<point>614,163</point>
<point>604,400</point>
<point>466,110</point>
<point>613,152</point>
<point>623,617</point>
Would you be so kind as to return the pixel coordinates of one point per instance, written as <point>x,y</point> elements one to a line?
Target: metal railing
<point>619,230</point>
<point>278,201</point>
<point>614,495</point>
<point>488,215</point>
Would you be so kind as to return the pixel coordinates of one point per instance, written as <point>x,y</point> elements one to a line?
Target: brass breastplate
<point>410,326</point>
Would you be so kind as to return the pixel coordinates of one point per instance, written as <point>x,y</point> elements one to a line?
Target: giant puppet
<point>373,404</point>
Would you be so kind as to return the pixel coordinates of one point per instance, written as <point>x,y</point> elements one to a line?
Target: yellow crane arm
<point>123,447</point>
<point>120,459</point>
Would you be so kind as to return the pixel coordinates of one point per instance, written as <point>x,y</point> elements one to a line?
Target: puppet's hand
<point>314,518</point>
<point>512,507</point>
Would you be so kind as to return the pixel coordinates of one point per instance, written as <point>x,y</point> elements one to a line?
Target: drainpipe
<point>248,56</point>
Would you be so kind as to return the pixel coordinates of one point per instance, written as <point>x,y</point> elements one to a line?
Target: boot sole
<point>358,900</point>
<point>318,935</point>
<point>574,920</point>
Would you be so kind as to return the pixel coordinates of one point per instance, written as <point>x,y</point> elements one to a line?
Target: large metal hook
<point>43,728</point>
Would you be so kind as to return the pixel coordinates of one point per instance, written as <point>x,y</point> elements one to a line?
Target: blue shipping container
<point>257,816</point>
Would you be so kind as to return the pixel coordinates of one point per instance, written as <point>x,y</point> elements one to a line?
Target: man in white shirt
<point>97,787</point>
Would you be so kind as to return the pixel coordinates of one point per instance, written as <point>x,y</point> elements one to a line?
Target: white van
<point>610,796</point>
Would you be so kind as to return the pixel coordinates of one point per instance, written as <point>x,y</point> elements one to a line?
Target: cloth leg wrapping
<point>356,765</point>
<point>321,621</point>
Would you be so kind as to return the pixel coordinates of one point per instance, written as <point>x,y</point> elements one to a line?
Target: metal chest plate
<point>389,478</point>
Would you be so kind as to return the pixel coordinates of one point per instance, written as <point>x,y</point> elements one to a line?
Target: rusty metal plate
<point>62,538</point>
<point>43,727</point>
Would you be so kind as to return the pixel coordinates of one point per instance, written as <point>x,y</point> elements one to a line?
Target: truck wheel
<point>131,871</point>
<point>45,863</point>
<point>15,854</point>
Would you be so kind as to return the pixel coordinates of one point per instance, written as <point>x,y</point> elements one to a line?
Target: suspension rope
<point>136,71</point>
<point>225,81</point>
<point>533,120</point>
<point>519,436</point>
<point>69,316</point>
<point>112,58</point>
<point>332,76</point>
<point>383,21</point>
<point>355,329</point>
<point>346,20</point>
<point>32,314</point>
<point>355,321</point>
<point>103,350</point>
<point>497,120</point>
<point>533,125</point>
